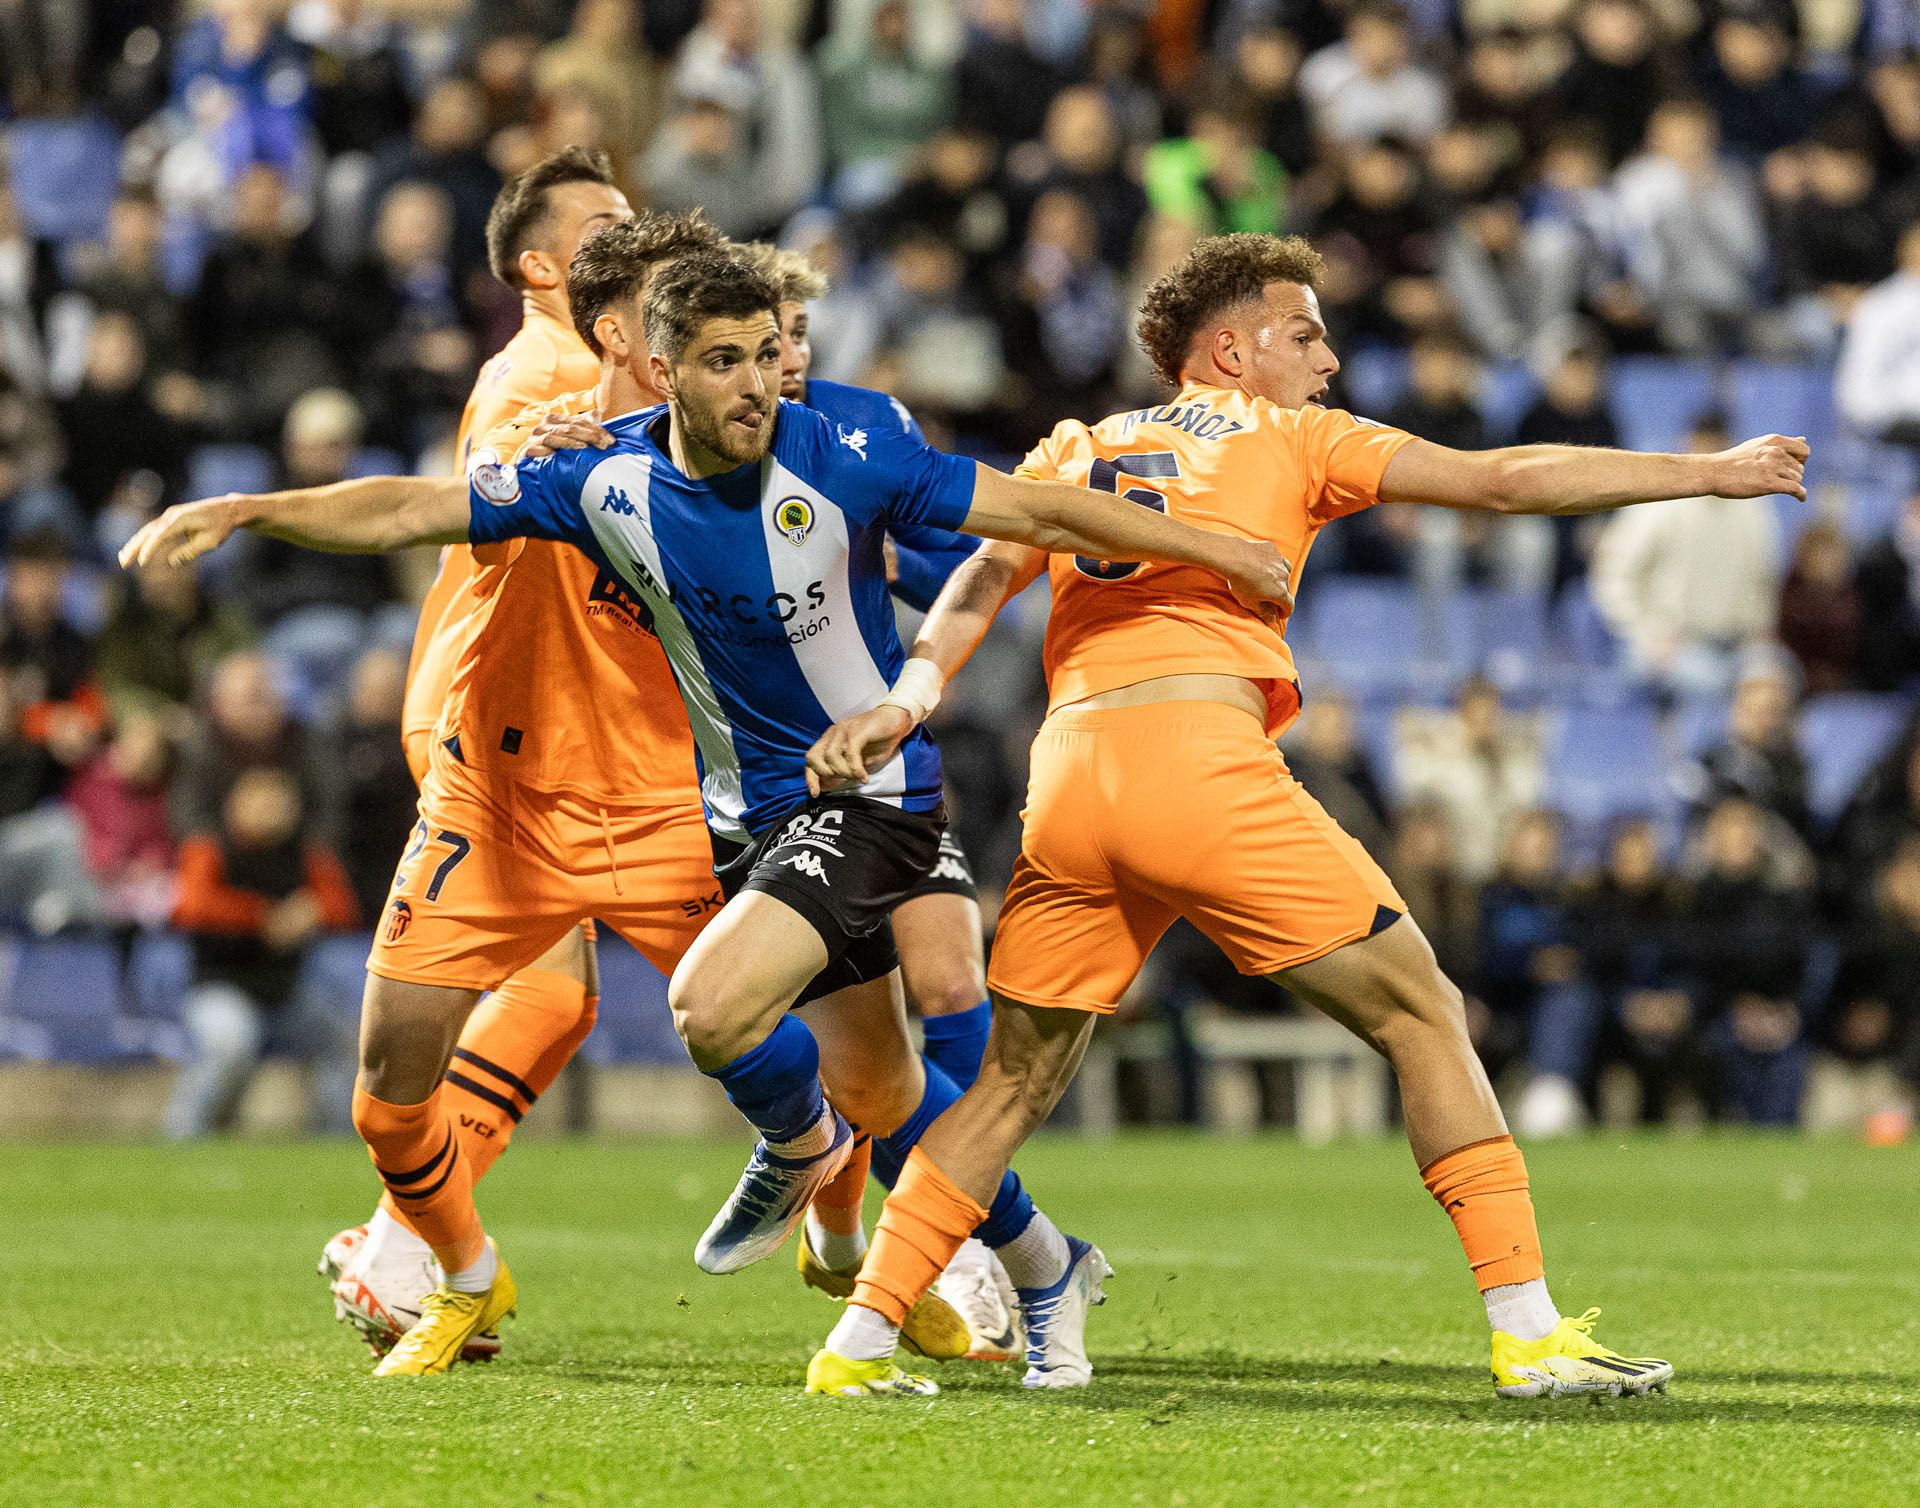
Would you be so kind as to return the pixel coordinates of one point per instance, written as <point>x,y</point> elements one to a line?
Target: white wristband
<point>917,689</point>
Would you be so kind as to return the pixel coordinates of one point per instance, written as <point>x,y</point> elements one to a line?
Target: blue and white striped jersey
<point>925,556</point>
<point>766,585</point>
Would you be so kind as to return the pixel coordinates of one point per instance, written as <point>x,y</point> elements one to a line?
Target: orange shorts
<point>1138,815</point>
<point>497,873</point>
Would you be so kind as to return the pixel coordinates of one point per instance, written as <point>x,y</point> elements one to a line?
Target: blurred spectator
<point>1438,404</point>
<point>405,314</point>
<point>1882,814</point>
<point>1578,248</point>
<point>704,158</point>
<point>165,632</point>
<point>1217,178</point>
<point>449,151</point>
<point>604,52</point>
<point>1523,939</point>
<point>1444,899</point>
<point>937,347</point>
<point>1875,1010</point>
<point>47,662</point>
<point>766,90</point>
<point>1081,152</point>
<point>1820,610</point>
<point>1266,67</point>
<point>1500,82</point>
<point>376,798</point>
<point>1382,247</point>
<point>1888,582</point>
<point>244,84</point>
<point>1619,72</point>
<point>1625,931</point>
<point>126,276</point>
<point>1688,585</point>
<point>1067,305</point>
<point>27,281</point>
<point>1324,753</point>
<point>887,100</point>
<point>1834,233</point>
<point>1764,100</point>
<point>1748,952</point>
<point>1367,85</point>
<point>1571,410</point>
<point>1697,240</point>
<point>254,894</point>
<point>358,73</point>
<point>1001,85</point>
<point>117,436</point>
<point>1481,763</point>
<point>1116,64</point>
<point>950,193</point>
<point>120,798</point>
<point>1877,384</point>
<point>265,315</point>
<point>246,727</point>
<point>1759,761</point>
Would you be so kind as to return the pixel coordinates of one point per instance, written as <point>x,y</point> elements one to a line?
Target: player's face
<point>1290,362</point>
<point>726,385</point>
<point>796,350</point>
<point>575,211</point>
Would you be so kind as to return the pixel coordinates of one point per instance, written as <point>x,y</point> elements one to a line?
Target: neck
<point>687,453</point>
<point>1212,376</point>
<point>621,391</point>
<point>551,302</point>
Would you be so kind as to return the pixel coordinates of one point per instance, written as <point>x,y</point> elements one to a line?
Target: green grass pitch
<point>1288,1326</point>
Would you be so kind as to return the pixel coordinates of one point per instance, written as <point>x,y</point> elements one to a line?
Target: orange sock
<point>922,1224</point>
<point>417,1157</point>
<point>840,1202</point>
<point>1483,1188</point>
<point>511,1050</point>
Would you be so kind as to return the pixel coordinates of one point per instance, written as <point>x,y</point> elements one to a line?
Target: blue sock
<point>776,1086</point>
<point>958,1042</point>
<point>1012,1206</point>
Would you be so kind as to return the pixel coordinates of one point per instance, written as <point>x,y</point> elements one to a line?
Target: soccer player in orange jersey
<point>1157,790</point>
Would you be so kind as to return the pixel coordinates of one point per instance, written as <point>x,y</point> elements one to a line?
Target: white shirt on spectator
<point>1691,571</point>
<point>1348,104</point>
<point>1878,381</point>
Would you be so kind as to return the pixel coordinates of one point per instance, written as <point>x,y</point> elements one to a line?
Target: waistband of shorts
<point>1150,716</point>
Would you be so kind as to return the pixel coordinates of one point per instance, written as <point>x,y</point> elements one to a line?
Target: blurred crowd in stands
<point>1651,783</point>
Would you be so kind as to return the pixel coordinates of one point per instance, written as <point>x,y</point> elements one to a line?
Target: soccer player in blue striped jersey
<point>750,530</point>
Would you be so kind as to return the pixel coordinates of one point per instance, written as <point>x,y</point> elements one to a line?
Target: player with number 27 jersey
<point>1235,844</point>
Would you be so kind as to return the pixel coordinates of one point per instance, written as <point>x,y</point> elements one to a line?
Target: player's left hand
<point>580,432</point>
<point>1262,582</point>
<point>1763,466</point>
<point>185,532</point>
<point>847,750</point>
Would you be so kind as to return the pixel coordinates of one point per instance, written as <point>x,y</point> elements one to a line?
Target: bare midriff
<point>1229,690</point>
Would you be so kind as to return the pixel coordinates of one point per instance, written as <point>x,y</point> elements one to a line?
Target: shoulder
<point>858,405</point>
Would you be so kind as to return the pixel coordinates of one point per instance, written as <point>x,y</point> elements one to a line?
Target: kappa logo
<point>617,501</point>
<point>794,517</point>
<point>808,864</point>
<point>950,868</point>
<point>854,439</point>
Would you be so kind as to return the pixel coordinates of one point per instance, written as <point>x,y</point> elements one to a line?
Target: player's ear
<point>538,270</point>
<point>660,373</point>
<point>1227,351</point>
<point>612,337</point>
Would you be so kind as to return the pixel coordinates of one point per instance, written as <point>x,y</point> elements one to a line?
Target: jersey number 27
<point>1155,466</point>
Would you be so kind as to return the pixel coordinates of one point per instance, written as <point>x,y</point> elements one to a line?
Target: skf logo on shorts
<point>399,918</point>
<point>794,517</point>
<point>493,479</point>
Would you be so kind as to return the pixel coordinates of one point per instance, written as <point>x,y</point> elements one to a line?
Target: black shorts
<point>951,873</point>
<point>844,863</point>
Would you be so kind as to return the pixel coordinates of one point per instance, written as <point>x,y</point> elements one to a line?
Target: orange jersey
<point>1217,459</point>
<point>544,360</point>
<point>556,681</point>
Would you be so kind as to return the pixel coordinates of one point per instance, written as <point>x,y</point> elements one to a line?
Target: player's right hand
<point>579,432</point>
<point>185,532</point>
<point>1263,583</point>
<point>842,756</point>
<point>1762,467</point>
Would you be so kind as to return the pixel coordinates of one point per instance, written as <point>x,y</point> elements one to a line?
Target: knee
<point>708,1016</point>
<point>1420,1013</point>
<point>947,983</point>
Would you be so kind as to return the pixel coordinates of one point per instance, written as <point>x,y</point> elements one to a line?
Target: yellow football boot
<point>448,1321</point>
<point>834,1376</point>
<point>933,1329</point>
<point>1571,1361</point>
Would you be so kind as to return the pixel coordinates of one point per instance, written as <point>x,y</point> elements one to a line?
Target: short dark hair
<point>611,265</point>
<point>1220,273</point>
<point>722,282</point>
<point>520,208</point>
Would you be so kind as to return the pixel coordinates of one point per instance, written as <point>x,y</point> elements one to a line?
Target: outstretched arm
<point>370,516</point>
<point>958,621</point>
<point>1576,479</point>
<point>1059,519</point>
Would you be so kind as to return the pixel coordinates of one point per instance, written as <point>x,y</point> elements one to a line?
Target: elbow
<point>1504,490</point>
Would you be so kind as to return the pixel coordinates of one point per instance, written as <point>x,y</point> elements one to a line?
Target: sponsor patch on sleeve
<point>493,479</point>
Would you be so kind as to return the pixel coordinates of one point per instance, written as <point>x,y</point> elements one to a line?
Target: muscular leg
<point>944,967</point>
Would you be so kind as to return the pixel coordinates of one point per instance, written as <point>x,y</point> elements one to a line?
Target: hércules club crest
<point>794,516</point>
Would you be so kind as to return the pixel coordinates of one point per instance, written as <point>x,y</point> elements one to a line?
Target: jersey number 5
<point>1155,465</point>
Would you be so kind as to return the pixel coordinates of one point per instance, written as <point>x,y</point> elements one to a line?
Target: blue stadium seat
<point>60,1000</point>
<point>214,469</point>
<point>1767,396</point>
<point>1873,508</point>
<point>377,460</point>
<point>634,1025</point>
<point>63,174</point>
<point>1606,762</point>
<point>1656,398</point>
<point>158,974</point>
<point>1366,630</point>
<point>1507,391</point>
<point>1843,736</point>
<point>1502,635</point>
<point>1580,634</point>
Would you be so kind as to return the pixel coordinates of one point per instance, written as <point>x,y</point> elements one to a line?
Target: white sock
<point>809,1143</point>
<point>863,1334</point>
<point>1523,1310</point>
<point>386,1236</point>
<point>841,1252</point>
<point>479,1277</point>
<point>1037,1257</point>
